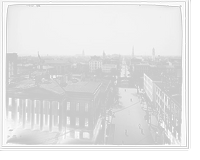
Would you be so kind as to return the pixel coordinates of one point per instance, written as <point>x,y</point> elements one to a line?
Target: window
<point>77,134</point>
<point>86,135</point>
<point>9,101</point>
<point>68,106</point>
<point>9,115</point>
<point>77,121</point>
<point>68,120</point>
<point>86,122</point>
<point>77,107</point>
<point>176,135</point>
<point>176,122</point>
<point>86,107</point>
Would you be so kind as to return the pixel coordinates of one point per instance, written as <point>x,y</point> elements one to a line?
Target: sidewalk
<point>160,138</point>
<point>100,137</point>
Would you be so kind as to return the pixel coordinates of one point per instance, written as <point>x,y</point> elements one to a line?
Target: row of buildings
<point>165,101</point>
<point>40,102</point>
<point>20,67</point>
<point>106,65</point>
<point>157,69</point>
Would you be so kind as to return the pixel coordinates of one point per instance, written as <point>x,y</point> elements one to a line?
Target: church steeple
<point>153,54</point>
<point>133,55</point>
<point>104,55</point>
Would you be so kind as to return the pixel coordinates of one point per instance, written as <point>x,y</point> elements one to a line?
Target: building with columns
<point>73,110</point>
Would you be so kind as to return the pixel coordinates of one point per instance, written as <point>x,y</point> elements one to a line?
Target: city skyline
<point>62,30</point>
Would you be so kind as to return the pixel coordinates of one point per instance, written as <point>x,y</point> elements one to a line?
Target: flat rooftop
<point>53,86</point>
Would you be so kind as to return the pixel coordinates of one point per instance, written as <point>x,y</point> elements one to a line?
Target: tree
<point>136,79</point>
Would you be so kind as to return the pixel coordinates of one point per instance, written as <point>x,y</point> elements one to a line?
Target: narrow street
<point>130,125</point>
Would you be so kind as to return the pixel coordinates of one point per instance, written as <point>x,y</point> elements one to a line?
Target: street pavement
<point>130,125</point>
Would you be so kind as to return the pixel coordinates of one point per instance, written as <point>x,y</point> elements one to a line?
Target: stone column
<point>46,112</point>
<point>61,115</point>
<point>15,111</point>
<point>37,112</point>
<point>20,110</point>
<point>23,112</point>
<point>32,112</point>
<point>41,114</point>
<point>50,115</point>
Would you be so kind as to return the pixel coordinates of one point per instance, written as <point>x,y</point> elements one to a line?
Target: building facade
<point>168,107</point>
<point>11,65</point>
<point>61,66</point>
<point>73,111</point>
<point>170,69</point>
<point>149,87</point>
<point>107,68</point>
<point>95,63</point>
<point>142,68</point>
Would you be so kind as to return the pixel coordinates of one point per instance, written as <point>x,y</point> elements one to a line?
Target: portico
<point>36,111</point>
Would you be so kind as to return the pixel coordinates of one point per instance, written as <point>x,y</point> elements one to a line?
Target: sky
<point>116,29</point>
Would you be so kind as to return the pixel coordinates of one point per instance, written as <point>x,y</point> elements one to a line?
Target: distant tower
<point>153,54</point>
<point>104,55</point>
<point>133,52</point>
<point>83,53</point>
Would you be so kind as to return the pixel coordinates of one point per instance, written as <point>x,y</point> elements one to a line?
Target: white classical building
<point>72,108</point>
